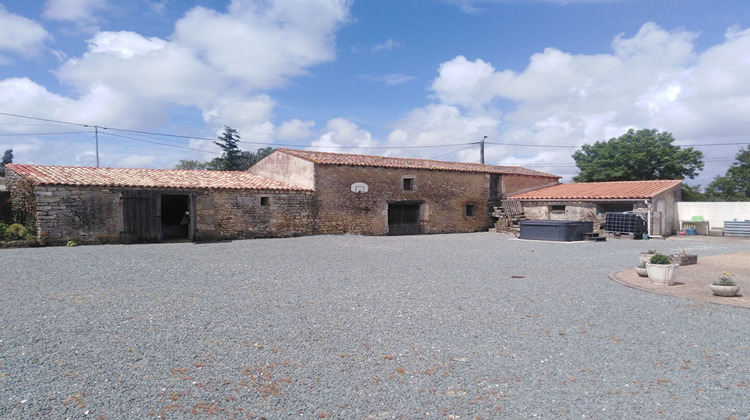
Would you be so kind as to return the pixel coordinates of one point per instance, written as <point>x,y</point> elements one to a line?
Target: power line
<point>161,144</point>
<point>470,144</point>
<point>44,134</point>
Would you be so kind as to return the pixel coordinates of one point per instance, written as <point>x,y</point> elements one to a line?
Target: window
<point>471,210</point>
<point>408,183</point>
<point>265,201</point>
<point>557,209</point>
<point>615,207</point>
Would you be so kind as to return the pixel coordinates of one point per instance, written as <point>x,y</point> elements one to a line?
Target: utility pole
<point>96,140</point>
<point>481,150</point>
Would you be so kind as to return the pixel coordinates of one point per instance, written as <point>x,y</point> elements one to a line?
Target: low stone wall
<point>252,214</point>
<point>85,215</point>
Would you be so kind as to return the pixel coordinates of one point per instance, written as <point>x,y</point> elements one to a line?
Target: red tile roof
<point>324,158</point>
<point>146,178</point>
<point>601,190</point>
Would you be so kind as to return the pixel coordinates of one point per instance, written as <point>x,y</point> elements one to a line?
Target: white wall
<point>716,213</point>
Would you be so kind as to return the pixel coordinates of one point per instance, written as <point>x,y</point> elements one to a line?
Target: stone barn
<point>375,195</point>
<point>589,201</point>
<point>112,205</point>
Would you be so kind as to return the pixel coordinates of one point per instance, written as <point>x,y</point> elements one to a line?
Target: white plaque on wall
<point>360,187</point>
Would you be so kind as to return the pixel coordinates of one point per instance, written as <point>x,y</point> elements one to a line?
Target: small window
<point>408,184</point>
<point>557,209</point>
<point>471,210</point>
<point>265,201</point>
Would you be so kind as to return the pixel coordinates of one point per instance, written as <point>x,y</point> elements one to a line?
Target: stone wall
<point>92,215</point>
<point>443,197</point>
<point>85,215</point>
<point>244,214</point>
<point>511,185</point>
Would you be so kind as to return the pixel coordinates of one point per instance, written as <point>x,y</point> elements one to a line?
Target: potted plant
<point>725,286</point>
<point>661,270</point>
<point>641,269</point>
<point>646,256</point>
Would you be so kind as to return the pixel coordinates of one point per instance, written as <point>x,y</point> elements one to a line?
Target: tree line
<point>232,158</point>
<point>648,154</point>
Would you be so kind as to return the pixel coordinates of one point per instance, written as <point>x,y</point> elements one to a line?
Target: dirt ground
<point>693,280</point>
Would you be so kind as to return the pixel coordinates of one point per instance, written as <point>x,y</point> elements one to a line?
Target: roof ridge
<point>331,158</point>
<point>147,178</point>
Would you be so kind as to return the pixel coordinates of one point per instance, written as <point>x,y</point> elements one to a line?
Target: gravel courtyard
<point>349,327</point>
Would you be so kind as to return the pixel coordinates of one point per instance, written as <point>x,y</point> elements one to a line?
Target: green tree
<point>735,184</point>
<point>231,159</point>
<point>7,158</point>
<point>693,193</point>
<point>637,155</point>
<point>244,160</point>
<point>191,165</point>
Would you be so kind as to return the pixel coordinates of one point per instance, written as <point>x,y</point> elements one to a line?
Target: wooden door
<point>140,215</point>
<point>403,219</point>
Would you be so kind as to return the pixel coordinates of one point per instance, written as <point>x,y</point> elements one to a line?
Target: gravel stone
<point>437,326</point>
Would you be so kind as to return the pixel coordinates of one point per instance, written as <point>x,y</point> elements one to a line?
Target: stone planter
<point>642,272</point>
<point>724,290</point>
<point>662,274</point>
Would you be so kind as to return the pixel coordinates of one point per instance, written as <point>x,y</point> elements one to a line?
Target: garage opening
<point>175,217</point>
<point>403,218</point>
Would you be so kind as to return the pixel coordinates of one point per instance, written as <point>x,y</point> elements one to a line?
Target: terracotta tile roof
<point>324,158</point>
<point>601,190</point>
<point>146,178</point>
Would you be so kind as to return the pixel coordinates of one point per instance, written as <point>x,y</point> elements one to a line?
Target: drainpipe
<point>648,220</point>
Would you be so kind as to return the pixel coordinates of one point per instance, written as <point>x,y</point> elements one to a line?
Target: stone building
<point>110,205</point>
<point>589,201</point>
<point>375,195</point>
<point>289,193</point>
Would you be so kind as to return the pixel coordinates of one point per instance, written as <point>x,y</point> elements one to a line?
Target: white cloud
<point>654,79</point>
<point>295,130</point>
<point>342,135</point>
<point>475,6</point>
<point>20,35</point>
<point>211,60</point>
<point>80,12</point>
<point>391,79</point>
<point>388,45</point>
<point>261,45</point>
<point>219,63</point>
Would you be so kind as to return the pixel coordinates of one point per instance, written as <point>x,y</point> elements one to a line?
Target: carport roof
<point>326,158</point>
<point>621,190</point>
<point>147,178</point>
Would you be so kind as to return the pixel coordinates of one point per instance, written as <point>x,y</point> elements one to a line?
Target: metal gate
<point>403,218</point>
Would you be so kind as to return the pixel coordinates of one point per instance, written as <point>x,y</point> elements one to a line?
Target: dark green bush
<point>660,259</point>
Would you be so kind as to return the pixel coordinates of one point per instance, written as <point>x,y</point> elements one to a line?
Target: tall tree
<point>231,159</point>
<point>735,184</point>
<point>7,158</point>
<point>637,155</point>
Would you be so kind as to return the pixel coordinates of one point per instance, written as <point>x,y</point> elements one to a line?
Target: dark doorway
<point>175,217</point>
<point>403,218</point>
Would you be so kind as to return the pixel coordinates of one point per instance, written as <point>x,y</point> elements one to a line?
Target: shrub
<point>3,228</point>
<point>660,259</point>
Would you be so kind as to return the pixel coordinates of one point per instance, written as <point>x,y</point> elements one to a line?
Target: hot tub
<point>555,230</point>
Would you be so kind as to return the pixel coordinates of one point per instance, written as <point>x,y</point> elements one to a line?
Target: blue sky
<point>411,78</point>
